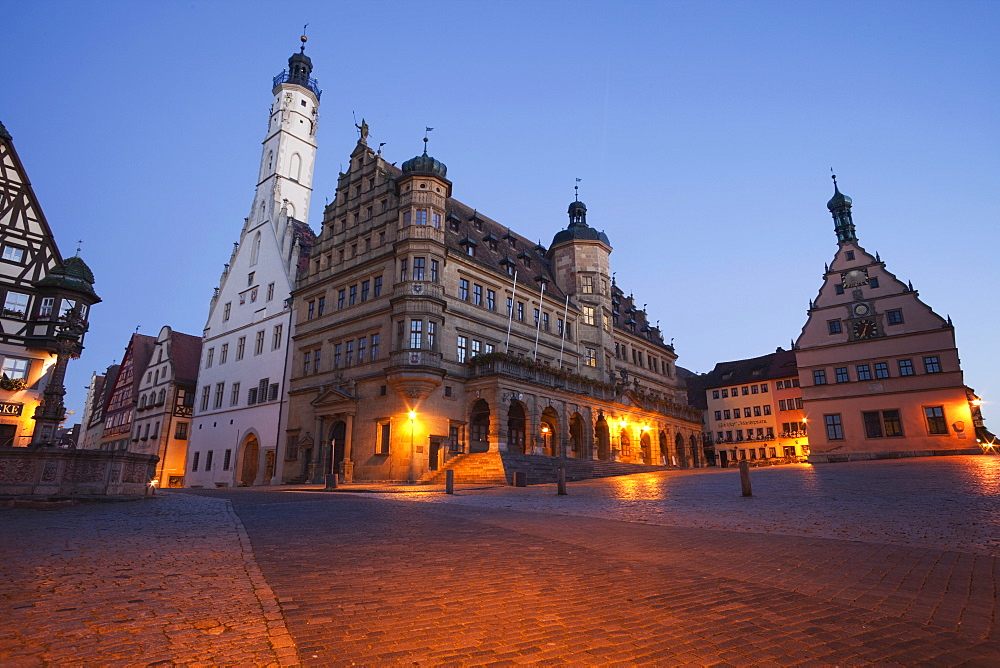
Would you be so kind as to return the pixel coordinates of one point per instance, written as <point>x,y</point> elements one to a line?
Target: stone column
<point>347,466</point>
<point>316,463</point>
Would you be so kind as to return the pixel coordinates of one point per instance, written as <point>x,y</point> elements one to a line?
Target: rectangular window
<point>819,377</point>
<point>728,413</point>
<point>219,393</point>
<point>894,317</point>
<point>725,393</point>
<point>754,389</point>
<point>45,309</point>
<point>223,353</point>
<point>209,356</point>
<point>463,289</point>
<point>361,349</point>
<point>873,424</point>
<point>718,415</point>
<point>935,420</point>
<point>431,333</point>
<point>477,295</point>
<point>421,218</point>
<point>341,297</point>
<point>839,289</point>
<point>591,357</point>
<point>227,459</point>
<point>226,310</point>
<point>374,347</point>
<point>241,344</point>
<point>383,438</point>
<point>320,306</point>
<point>311,310</point>
<point>352,297</point>
<point>16,369</point>
<point>181,431</point>
<point>270,291</point>
<point>537,316</point>
<point>881,370</point>
<point>491,300</point>
<point>276,337</point>
<point>13,254</point>
<point>251,396</point>
<point>841,373</point>
<point>306,362</point>
<point>588,315</point>
<point>715,394</point>
<point>434,270</point>
<point>746,390</point>
<point>932,365</point>
<point>906,367</point>
<point>545,321</point>
<point>16,305</point>
<point>338,355</point>
<point>234,396</point>
<point>206,391</point>
<point>767,409</point>
<point>194,461</point>
<point>782,406</point>
<point>463,344</point>
<point>365,289</point>
<point>834,326</point>
<point>746,412</point>
<point>864,372</point>
<point>419,265</point>
<point>377,286</point>
<point>208,460</point>
<point>406,217</point>
<point>588,285</point>
<point>763,387</point>
<point>349,353</point>
<point>416,333</point>
<point>437,220</point>
<point>893,425</point>
<point>403,269</point>
<point>873,282</point>
<point>834,429</point>
<point>520,311</point>
<point>258,345</point>
<point>488,348</point>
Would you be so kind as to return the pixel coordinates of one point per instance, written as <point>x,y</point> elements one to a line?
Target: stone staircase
<point>498,468</point>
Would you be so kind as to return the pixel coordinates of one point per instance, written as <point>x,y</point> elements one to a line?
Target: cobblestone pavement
<point>171,578</point>
<point>824,566</point>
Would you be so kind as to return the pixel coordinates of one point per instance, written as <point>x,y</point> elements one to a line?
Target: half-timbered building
<point>119,410</point>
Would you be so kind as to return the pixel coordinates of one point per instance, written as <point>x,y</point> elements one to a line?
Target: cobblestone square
<point>892,562</point>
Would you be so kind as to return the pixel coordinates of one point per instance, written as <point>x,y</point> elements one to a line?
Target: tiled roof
<point>185,351</point>
<point>780,364</point>
<point>305,236</point>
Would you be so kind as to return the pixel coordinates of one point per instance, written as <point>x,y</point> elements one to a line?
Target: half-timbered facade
<point>41,293</point>
<point>119,410</point>
<point>427,330</point>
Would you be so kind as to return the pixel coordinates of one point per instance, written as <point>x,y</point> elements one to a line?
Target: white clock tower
<point>240,404</point>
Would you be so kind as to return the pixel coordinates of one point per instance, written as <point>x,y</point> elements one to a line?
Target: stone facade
<point>426,330</point>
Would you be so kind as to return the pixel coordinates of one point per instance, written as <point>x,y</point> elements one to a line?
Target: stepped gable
<point>486,256</point>
<point>185,351</point>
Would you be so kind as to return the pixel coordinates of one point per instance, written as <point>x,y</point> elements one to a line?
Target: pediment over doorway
<point>331,396</point>
<point>630,398</point>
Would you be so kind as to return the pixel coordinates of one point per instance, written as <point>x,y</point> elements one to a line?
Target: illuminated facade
<point>879,369</point>
<point>426,330</point>
<point>46,303</point>
<point>754,409</point>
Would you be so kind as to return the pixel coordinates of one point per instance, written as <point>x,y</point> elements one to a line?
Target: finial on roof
<point>79,245</point>
<point>302,49</point>
<point>576,191</point>
<point>426,130</point>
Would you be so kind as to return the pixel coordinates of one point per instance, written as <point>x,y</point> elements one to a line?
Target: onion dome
<point>72,274</point>
<point>300,66</point>
<point>839,199</point>
<point>425,164</point>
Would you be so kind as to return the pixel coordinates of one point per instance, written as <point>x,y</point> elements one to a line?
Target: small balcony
<point>285,77</point>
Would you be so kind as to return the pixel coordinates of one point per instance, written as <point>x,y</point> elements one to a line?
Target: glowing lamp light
<point>624,424</point>
<point>977,402</point>
<point>645,427</point>
<point>413,415</point>
<point>545,429</point>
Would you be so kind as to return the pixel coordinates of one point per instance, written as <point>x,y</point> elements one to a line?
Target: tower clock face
<point>864,329</point>
<point>854,278</point>
<point>861,309</point>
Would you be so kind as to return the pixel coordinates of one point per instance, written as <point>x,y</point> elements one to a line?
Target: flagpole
<point>538,325</point>
<point>562,344</point>
<point>510,316</point>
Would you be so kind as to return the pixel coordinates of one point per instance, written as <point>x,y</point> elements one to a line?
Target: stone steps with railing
<point>496,468</point>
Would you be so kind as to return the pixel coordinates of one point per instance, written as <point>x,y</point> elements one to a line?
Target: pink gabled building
<point>878,368</point>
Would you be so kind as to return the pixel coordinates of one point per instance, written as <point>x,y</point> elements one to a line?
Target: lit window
<point>935,420</point>
<point>588,315</point>
<point>463,344</point>
<point>16,369</point>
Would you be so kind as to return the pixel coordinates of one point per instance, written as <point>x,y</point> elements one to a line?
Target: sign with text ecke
<point>10,409</point>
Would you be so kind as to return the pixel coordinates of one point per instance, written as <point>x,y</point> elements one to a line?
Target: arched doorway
<point>479,427</point>
<point>646,446</point>
<point>576,436</point>
<point>550,433</point>
<point>694,450</point>
<point>338,436</point>
<point>251,453</point>
<point>603,439</point>
<point>516,425</point>
<point>664,455</point>
<point>625,444</point>
<point>679,450</point>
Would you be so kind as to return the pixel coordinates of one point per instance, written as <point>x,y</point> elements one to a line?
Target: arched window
<point>290,209</point>
<point>295,167</point>
<point>255,249</point>
<point>163,395</point>
<point>263,210</point>
<point>270,161</point>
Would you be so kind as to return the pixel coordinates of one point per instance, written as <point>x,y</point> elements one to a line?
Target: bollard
<point>561,481</point>
<point>331,481</point>
<point>520,479</point>
<point>449,481</point>
<point>745,478</point>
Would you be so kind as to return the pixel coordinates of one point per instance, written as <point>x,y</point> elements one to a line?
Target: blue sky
<point>703,132</point>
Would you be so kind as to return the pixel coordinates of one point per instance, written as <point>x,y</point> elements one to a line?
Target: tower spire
<point>840,207</point>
